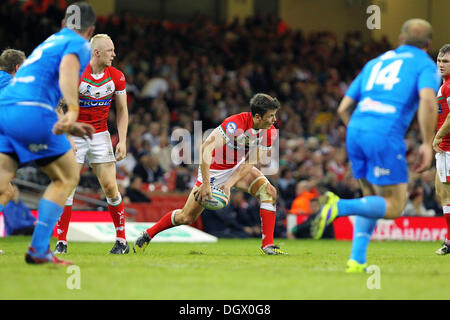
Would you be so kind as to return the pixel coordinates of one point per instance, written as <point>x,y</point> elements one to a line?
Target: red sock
<point>267,226</point>
<point>164,223</point>
<point>63,223</point>
<point>447,220</point>
<point>118,216</point>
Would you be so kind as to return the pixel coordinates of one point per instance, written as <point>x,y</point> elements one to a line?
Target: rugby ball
<point>219,200</point>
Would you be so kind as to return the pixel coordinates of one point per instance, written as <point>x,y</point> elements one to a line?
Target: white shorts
<point>218,177</point>
<point>97,150</point>
<point>443,166</point>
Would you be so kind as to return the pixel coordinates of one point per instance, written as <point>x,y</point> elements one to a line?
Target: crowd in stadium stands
<point>178,73</point>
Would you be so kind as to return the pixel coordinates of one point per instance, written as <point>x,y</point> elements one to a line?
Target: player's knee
<point>69,181</point>
<point>272,191</point>
<point>395,207</point>
<point>8,193</point>
<point>263,190</point>
<point>110,189</point>
<point>181,218</point>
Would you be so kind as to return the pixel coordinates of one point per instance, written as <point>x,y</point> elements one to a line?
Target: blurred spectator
<point>134,191</point>
<point>126,166</point>
<point>305,191</point>
<point>18,218</point>
<point>148,169</point>
<point>180,73</point>
<point>286,185</point>
<point>415,205</point>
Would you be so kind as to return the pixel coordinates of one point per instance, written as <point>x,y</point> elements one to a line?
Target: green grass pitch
<point>230,269</point>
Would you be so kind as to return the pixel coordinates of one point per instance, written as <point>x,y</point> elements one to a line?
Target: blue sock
<point>49,213</point>
<point>362,232</point>
<point>370,207</point>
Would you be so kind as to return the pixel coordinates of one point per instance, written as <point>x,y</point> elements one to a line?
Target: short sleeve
<point>119,82</point>
<point>80,48</point>
<point>354,91</point>
<point>232,127</point>
<point>429,77</point>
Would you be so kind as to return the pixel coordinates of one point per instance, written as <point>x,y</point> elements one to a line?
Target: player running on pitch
<point>226,161</point>
<point>98,84</point>
<point>30,129</point>
<point>441,142</point>
<point>387,93</point>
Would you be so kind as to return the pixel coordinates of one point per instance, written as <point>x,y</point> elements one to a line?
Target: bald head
<point>102,51</point>
<point>416,32</point>
<point>100,41</point>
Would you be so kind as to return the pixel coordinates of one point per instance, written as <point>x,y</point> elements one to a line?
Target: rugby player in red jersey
<point>99,83</point>
<point>441,143</point>
<point>228,159</point>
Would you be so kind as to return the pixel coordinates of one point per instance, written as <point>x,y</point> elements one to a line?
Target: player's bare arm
<point>122,125</point>
<point>442,132</point>
<point>344,108</point>
<point>214,141</point>
<point>427,118</point>
<point>69,69</point>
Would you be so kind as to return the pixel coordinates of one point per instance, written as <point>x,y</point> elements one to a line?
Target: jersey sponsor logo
<point>94,103</point>
<point>378,172</point>
<point>36,147</point>
<point>231,128</point>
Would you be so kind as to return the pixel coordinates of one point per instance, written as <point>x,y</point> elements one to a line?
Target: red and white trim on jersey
<point>443,99</point>
<point>240,137</point>
<point>96,94</point>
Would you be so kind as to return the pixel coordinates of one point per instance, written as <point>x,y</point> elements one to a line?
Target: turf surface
<point>228,269</point>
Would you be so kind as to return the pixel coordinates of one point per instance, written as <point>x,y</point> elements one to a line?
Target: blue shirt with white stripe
<point>387,90</point>
<point>37,80</point>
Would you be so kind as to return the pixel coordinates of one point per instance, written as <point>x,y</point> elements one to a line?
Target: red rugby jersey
<point>96,94</point>
<point>240,137</point>
<point>443,98</point>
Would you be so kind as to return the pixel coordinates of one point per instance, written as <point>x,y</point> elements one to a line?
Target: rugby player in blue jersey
<point>10,61</point>
<point>30,129</point>
<point>387,93</point>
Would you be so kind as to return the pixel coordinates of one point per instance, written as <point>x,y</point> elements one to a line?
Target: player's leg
<point>380,161</point>
<point>8,168</point>
<point>6,196</point>
<point>106,174</point>
<point>64,176</point>
<point>62,225</point>
<point>256,184</point>
<point>185,216</point>
<point>82,147</point>
<point>362,232</point>
<point>443,192</point>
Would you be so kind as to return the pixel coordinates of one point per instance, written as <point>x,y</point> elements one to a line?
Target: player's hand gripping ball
<point>219,200</point>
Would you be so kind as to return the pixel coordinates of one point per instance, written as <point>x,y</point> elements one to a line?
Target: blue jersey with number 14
<point>36,81</point>
<point>387,90</point>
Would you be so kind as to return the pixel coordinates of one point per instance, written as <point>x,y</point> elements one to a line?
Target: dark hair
<point>85,20</point>
<point>10,58</point>
<point>445,49</point>
<point>261,103</point>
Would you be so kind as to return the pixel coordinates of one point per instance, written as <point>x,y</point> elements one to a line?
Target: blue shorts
<point>379,159</point>
<point>27,132</point>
